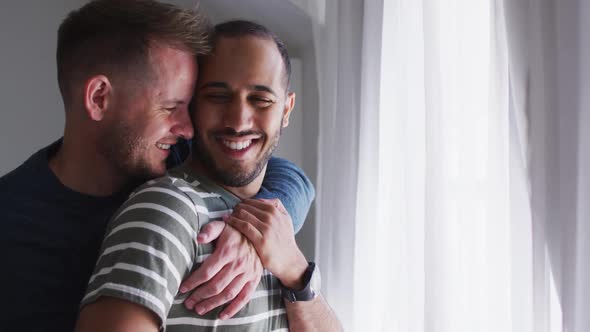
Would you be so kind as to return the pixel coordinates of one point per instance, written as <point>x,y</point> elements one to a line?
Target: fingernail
<point>189,304</point>
<point>200,310</point>
<point>223,316</point>
<point>183,290</point>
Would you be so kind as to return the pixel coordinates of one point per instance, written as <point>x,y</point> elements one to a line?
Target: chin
<point>237,176</point>
<point>145,172</point>
<point>159,171</point>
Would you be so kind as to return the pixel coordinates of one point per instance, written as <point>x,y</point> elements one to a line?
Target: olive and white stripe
<point>150,247</point>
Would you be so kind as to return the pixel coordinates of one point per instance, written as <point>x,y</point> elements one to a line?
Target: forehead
<point>169,62</point>
<point>243,61</point>
<point>174,71</point>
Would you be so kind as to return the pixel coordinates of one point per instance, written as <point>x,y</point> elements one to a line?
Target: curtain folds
<point>437,156</point>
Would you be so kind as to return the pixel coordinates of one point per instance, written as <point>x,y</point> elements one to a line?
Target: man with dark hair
<point>242,104</point>
<point>127,72</point>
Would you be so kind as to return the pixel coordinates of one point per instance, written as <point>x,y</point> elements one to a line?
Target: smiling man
<point>126,72</point>
<point>242,104</point>
<point>238,129</point>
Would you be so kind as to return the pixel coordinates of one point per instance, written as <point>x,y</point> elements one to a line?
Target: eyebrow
<point>174,101</point>
<point>262,88</point>
<point>214,85</point>
<point>224,85</point>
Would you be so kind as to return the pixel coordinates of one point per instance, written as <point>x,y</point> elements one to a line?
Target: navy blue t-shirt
<point>51,235</point>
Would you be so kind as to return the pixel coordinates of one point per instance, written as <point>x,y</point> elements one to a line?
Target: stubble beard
<point>125,150</point>
<point>234,175</point>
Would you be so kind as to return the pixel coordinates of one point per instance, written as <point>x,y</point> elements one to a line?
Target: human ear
<point>289,104</point>
<point>97,95</point>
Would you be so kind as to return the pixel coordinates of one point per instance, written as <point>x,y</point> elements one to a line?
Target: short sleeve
<point>149,247</point>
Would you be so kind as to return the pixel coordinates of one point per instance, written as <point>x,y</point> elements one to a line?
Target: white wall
<point>32,111</point>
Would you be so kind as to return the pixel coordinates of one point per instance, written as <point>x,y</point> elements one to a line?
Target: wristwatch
<point>312,282</point>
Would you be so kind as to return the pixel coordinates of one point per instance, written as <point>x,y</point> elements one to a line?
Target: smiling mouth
<point>163,146</point>
<point>236,146</point>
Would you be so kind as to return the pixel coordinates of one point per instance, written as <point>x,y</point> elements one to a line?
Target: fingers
<point>210,267</point>
<point>211,288</point>
<point>259,214</point>
<point>248,224</point>
<point>276,203</point>
<point>240,301</point>
<point>266,205</point>
<point>272,207</point>
<point>210,232</point>
<point>266,212</point>
<point>229,293</point>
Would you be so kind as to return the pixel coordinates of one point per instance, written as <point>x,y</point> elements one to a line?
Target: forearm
<point>115,315</point>
<point>268,227</point>
<point>314,315</point>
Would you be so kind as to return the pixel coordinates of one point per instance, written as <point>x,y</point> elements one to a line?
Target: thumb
<point>210,232</point>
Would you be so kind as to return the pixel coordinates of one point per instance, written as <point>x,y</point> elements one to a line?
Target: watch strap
<point>308,292</point>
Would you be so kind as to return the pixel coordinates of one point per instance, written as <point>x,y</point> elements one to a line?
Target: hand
<point>231,273</point>
<point>268,226</point>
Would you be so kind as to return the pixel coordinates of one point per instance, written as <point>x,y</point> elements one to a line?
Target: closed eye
<point>261,102</point>
<point>218,98</point>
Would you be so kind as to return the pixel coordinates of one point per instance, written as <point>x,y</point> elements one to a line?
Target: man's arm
<point>266,224</point>
<point>148,248</point>
<point>115,315</point>
<point>283,180</point>
<point>288,183</point>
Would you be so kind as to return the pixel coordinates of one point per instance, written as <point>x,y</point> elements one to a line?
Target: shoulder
<point>281,171</point>
<point>158,201</point>
<point>167,189</point>
<point>33,172</point>
<point>22,174</point>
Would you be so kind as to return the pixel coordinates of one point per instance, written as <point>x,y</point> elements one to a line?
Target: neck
<point>80,167</point>
<point>243,192</point>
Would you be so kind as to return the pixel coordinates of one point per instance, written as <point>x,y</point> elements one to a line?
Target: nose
<point>183,126</point>
<point>238,115</point>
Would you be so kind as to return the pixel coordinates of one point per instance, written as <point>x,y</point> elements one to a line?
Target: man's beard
<point>120,145</point>
<point>235,175</point>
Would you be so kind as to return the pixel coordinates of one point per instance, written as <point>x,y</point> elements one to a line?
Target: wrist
<point>293,277</point>
<point>311,286</point>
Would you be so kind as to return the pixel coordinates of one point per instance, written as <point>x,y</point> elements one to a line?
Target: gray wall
<point>32,111</point>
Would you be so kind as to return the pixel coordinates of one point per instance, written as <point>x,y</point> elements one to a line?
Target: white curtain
<point>432,166</point>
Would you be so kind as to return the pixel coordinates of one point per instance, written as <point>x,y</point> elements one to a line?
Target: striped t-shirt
<point>150,247</point>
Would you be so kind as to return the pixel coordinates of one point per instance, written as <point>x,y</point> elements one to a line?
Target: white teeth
<point>237,145</point>
<point>163,146</point>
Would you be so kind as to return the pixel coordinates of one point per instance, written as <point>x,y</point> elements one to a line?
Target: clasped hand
<point>258,233</point>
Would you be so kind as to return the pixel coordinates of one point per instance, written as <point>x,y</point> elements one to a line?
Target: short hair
<point>243,28</point>
<point>114,37</point>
